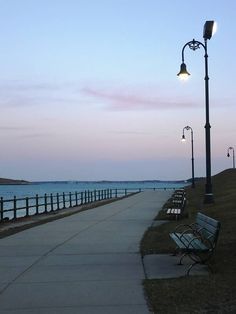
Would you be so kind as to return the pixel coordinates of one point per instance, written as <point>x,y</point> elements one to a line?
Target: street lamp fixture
<point>208,31</point>
<point>228,155</point>
<point>183,139</point>
<point>183,73</point>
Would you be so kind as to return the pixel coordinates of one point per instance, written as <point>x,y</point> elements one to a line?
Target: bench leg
<point>175,252</point>
<point>210,268</point>
<point>198,262</point>
<point>181,258</point>
<point>190,267</point>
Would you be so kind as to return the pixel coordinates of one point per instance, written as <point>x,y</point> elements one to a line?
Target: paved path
<point>86,263</point>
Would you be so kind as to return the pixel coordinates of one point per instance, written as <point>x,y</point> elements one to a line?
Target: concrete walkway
<point>85,263</point>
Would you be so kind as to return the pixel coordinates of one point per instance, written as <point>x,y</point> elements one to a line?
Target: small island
<point>12,181</point>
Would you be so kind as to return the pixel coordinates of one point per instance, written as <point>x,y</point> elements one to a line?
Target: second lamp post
<point>183,139</point>
<point>208,31</point>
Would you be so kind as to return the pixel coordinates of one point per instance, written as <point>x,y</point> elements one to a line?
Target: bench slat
<point>184,243</point>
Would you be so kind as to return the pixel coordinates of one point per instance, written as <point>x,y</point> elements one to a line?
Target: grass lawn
<point>215,293</point>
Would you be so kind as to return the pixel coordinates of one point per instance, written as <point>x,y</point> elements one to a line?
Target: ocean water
<point>40,188</point>
<point>54,201</point>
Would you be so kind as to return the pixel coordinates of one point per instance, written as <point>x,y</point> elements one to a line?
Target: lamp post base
<point>208,198</point>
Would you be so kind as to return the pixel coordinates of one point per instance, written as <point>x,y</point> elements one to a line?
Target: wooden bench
<point>174,211</point>
<point>198,240</point>
<point>177,205</point>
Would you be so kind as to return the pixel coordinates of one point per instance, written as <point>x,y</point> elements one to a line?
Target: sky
<point>89,91</point>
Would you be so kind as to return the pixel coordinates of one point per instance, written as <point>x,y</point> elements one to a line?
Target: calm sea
<point>40,188</point>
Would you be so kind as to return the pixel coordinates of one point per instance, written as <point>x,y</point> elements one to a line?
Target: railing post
<point>64,200</point>
<point>116,193</point>
<point>99,195</point>
<point>45,203</point>
<point>14,207</point>
<point>81,198</point>
<point>70,199</point>
<point>95,195</point>
<point>85,197</point>
<point>51,198</point>
<point>58,203</point>
<point>125,192</point>
<point>76,198</point>
<point>37,204</point>
<point>26,206</point>
<point>1,208</point>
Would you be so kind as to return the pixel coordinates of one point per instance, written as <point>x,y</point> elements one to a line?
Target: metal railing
<point>12,209</point>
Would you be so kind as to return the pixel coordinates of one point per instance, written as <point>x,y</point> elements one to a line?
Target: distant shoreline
<point>108,181</point>
<point>4,181</point>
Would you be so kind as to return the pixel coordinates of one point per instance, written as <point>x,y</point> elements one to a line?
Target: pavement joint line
<point>60,244</point>
<point>46,254</point>
<point>92,254</point>
<point>25,279</point>
<point>85,229</point>
<point>79,280</point>
<point>84,306</point>
<point>55,215</point>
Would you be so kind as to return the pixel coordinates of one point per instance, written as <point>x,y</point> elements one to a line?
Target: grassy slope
<point>213,294</point>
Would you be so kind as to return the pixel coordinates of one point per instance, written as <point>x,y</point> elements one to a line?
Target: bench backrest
<point>208,227</point>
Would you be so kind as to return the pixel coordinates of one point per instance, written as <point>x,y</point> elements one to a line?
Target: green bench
<point>177,205</point>
<point>198,240</point>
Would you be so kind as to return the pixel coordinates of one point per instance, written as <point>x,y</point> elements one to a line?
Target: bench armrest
<point>190,232</point>
<point>208,242</point>
<point>186,226</point>
<point>205,241</point>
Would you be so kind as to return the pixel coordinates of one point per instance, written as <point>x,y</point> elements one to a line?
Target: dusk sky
<point>89,91</point>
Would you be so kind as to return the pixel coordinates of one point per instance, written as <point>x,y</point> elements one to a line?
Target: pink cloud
<point>127,99</point>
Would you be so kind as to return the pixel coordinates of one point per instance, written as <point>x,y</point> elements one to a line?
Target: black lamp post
<point>228,155</point>
<point>183,139</point>
<point>208,31</point>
